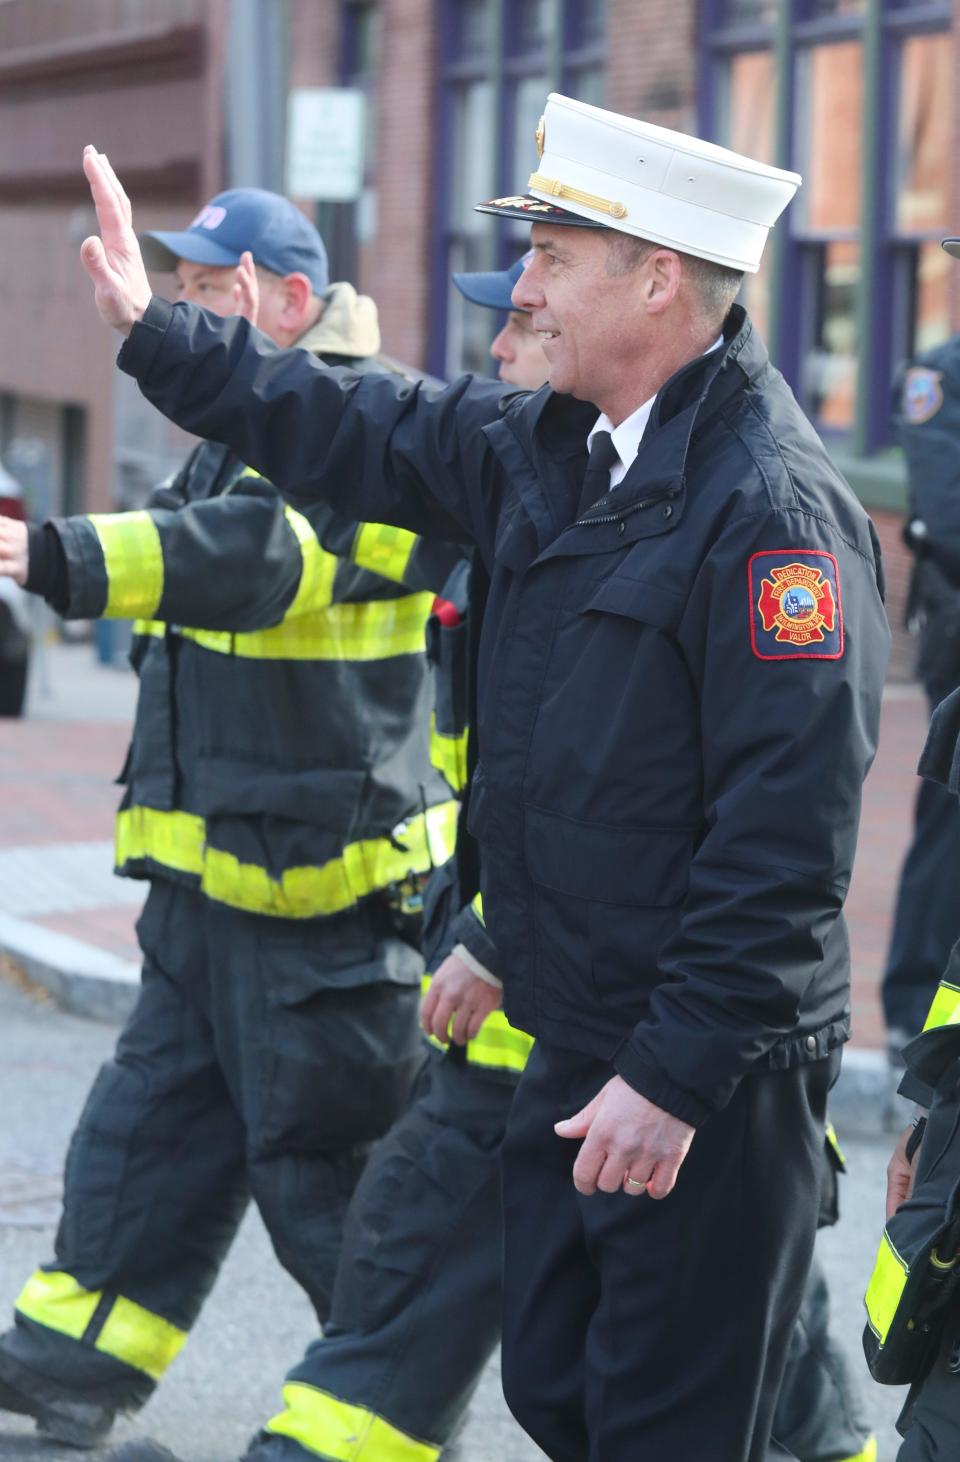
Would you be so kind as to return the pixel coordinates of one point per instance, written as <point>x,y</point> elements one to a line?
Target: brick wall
<point>652,67</point>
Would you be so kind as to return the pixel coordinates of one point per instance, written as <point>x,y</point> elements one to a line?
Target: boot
<point>78,1416</point>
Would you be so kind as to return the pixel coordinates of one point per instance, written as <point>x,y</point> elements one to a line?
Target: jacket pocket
<point>645,602</point>
<point>638,866</point>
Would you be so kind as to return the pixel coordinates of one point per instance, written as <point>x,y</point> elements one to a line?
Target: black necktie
<point>596,479</point>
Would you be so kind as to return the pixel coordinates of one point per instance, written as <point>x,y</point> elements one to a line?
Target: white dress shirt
<point>629,434</point>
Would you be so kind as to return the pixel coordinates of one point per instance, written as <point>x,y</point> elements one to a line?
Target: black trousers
<point>262,1058</point>
<point>634,1330</point>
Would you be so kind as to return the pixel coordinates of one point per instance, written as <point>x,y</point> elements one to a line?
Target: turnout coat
<point>678,692</point>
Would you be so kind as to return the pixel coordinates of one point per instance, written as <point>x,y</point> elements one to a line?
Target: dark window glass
<point>747,125</point>
<point>533,20</point>
<point>829,370</point>
<point>473,27</point>
<point>829,137</point>
<point>924,134</point>
<point>750,12</point>
<point>586,22</point>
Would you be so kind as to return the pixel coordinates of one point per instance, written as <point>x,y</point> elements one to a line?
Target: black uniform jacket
<point>678,693</point>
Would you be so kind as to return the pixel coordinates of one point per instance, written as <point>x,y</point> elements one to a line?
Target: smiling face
<point>597,323</point>
<point>520,355</point>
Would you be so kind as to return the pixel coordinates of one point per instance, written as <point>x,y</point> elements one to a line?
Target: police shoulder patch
<point>795,611</point>
<point>922,394</point>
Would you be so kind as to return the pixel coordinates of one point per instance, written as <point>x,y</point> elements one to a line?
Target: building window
<point>498,61</point>
<point>841,111</point>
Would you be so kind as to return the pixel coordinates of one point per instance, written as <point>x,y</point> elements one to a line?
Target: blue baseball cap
<point>276,233</point>
<point>493,288</point>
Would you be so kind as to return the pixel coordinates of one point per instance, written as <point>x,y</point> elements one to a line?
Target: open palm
<point>113,261</point>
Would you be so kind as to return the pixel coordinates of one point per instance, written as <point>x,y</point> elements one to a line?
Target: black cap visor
<point>952,247</point>
<point>533,210</point>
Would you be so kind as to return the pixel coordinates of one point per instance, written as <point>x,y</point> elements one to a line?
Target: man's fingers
<point>663,1179</point>
<point>117,188</point>
<point>579,1124</point>
<point>588,1166</point>
<point>94,261</point>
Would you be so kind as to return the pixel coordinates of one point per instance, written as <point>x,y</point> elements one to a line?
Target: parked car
<point>14,614</point>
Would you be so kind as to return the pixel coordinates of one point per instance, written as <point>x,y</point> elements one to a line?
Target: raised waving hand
<point>113,261</point>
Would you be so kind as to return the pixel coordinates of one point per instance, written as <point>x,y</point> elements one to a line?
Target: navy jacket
<point>678,693</point>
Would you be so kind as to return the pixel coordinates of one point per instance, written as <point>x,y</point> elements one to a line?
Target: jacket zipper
<point>625,512</point>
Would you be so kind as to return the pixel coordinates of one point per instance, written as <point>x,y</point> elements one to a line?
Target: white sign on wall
<point>325,126</point>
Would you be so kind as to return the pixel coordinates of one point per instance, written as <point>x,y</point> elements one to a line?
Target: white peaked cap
<point>603,169</point>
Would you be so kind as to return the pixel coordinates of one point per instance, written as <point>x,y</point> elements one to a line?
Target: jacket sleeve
<point>374,446</point>
<point>469,930</point>
<point>237,562</point>
<point>788,732</point>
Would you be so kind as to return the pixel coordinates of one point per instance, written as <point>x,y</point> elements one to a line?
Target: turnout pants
<point>637,1330</point>
<point>262,1058</point>
<point>417,1302</point>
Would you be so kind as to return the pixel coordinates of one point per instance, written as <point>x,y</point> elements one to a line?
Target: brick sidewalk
<point>56,781</point>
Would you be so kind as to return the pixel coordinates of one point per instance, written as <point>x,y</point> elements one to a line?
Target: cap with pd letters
<point>600,169</point>
<point>274,231</point>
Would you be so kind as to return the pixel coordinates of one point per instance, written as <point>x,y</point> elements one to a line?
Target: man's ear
<point>663,275</point>
<point>297,294</point>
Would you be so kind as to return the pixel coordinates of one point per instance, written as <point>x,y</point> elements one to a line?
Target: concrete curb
<point>89,981</point>
<point>81,978</point>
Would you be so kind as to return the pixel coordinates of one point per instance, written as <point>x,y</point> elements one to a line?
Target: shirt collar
<point>629,434</point>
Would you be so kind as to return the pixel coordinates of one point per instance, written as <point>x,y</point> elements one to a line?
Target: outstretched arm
<point>373,446</point>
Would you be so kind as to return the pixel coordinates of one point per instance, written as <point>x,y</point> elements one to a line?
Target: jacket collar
<point>541,438</point>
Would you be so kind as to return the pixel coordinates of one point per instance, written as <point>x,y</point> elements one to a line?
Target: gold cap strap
<point>562,190</point>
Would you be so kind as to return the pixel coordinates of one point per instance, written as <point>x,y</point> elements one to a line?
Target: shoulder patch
<point>922,394</point>
<point>795,611</point>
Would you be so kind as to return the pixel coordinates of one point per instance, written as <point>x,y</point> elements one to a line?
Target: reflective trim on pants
<point>885,1289</point>
<point>129,1333</point>
<point>335,1429</point>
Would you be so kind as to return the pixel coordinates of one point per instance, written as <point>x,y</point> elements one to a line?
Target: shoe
<point>78,1416</point>
<point>142,1451</point>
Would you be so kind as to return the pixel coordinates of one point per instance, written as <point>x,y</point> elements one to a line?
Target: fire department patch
<point>795,609</point>
<point>922,394</point>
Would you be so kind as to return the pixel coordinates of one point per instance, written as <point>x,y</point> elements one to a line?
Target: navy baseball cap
<point>276,233</point>
<point>493,288</point>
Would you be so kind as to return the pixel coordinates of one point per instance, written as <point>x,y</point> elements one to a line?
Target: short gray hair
<point>715,285</point>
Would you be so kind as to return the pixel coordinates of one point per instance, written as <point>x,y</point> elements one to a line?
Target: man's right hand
<point>113,261</point>
<point>900,1174</point>
<point>457,1003</point>
<point>14,558</point>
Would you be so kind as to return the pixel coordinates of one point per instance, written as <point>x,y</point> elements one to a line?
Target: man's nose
<point>527,293</point>
<point>499,349</point>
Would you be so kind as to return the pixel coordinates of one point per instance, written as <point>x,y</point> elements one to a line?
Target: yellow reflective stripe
<point>384,550</point>
<point>868,1454</point>
<point>155,627</point>
<point>315,590</point>
<point>885,1289</point>
<point>834,1142</point>
<point>173,839</point>
<point>178,840</point>
<point>374,630</point>
<point>476,904</point>
<point>133,559</point>
<point>59,1302</point>
<point>498,1046</point>
<point>335,1429</point>
<point>945,1009</point>
<point>129,1333</point>
<point>139,1338</point>
<point>363,868</point>
<point>449,755</point>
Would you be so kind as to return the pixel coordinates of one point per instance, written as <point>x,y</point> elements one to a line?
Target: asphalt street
<point>257,1322</point>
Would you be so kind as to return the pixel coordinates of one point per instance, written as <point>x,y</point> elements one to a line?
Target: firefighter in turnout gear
<point>280,800</point>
